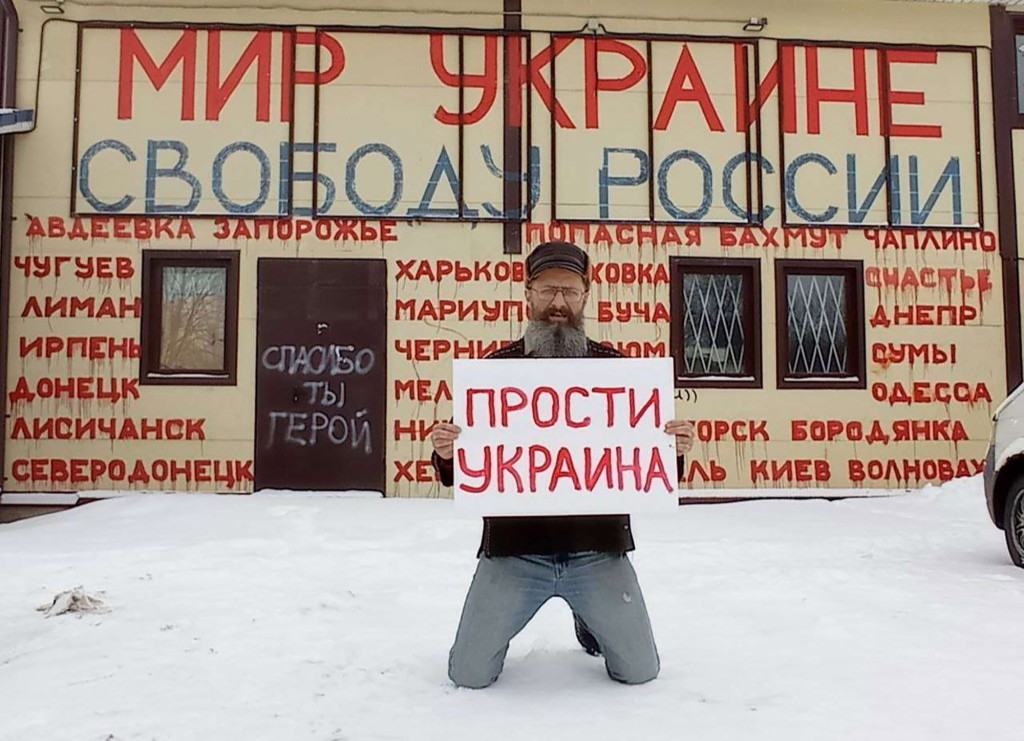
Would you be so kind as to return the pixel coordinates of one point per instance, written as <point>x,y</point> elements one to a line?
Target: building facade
<point>244,245</point>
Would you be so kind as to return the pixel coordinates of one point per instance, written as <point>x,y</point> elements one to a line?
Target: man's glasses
<point>548,293</point>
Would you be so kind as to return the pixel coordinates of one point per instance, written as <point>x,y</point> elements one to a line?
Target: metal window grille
<point>714,341</point>
<point>818,322</point>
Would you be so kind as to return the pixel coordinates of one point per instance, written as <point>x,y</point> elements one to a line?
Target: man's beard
<point>547,339</point>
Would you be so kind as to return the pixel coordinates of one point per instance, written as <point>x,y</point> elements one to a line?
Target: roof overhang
<point>16,120</point>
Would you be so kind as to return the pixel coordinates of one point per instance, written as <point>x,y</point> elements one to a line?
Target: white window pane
<point>817,324</point>
<point>714,342</point>
<point>192,319</point>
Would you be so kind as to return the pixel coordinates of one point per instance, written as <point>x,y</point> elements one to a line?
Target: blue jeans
<point>601,589</point>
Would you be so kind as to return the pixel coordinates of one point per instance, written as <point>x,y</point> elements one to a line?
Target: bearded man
<point>525,561</point>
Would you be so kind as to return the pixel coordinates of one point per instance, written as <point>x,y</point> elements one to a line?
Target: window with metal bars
<point>716,322</point>
<point>819,324</point>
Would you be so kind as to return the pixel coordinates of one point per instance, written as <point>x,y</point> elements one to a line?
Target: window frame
<point>153,262</point>
<point>752,324</point>
<point>883,49</point>
<point>853,271</point>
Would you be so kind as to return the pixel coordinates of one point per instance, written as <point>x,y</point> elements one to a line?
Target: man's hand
<point>443,439</point>
<point>683,432</point>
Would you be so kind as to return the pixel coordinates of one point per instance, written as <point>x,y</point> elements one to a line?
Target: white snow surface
<point>288,617</point>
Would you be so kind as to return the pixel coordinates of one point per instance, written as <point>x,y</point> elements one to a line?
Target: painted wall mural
<point>869,163</point>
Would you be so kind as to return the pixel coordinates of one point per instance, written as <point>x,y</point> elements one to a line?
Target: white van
<point>1004,473</point>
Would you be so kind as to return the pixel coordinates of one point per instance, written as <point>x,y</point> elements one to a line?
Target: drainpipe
<point>8,99</point>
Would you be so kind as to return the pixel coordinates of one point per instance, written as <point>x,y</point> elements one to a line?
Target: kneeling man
<point>525,561</point>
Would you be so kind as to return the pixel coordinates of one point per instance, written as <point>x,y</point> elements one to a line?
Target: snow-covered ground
<point>293,617</point>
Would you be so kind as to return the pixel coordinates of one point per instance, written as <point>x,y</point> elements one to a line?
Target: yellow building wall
<point>913,422</point>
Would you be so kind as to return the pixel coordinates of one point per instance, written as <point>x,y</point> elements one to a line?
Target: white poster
<point>572,436</point>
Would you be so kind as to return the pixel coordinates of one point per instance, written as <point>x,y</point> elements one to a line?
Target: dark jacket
<point>548,535</point>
